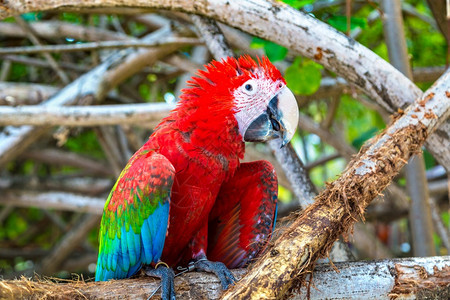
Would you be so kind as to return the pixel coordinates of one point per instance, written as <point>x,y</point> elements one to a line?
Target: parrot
<point>185,197</point>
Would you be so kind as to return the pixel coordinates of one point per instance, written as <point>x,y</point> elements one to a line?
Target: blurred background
<point>54,182</point>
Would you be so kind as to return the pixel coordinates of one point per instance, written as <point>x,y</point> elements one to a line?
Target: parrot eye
<point>249,87</point>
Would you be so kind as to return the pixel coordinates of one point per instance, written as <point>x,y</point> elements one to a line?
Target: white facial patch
<point>252,98</point>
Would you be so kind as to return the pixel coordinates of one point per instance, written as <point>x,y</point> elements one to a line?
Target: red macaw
<point>185,196</point>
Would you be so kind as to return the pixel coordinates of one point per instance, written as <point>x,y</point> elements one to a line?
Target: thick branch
<point>374,280</point>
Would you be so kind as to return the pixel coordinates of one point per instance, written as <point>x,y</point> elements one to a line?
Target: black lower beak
<point>267,126</point>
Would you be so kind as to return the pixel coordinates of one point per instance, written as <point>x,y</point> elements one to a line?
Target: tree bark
<point>384,279</point>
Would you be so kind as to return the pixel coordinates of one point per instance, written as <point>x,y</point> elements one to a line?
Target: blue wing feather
<point>126,246</point>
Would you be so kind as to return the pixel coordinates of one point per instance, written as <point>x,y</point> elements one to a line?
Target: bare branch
<point>178,41</point>
<point>65,183</point>
<point>213,37</point>
<point>65,246</point>
<point>43,63</point>
<point>420,215</point>
<point>147,115</point>
<point>53,200</point>
<point>24,93</point>
<point>439,226</point>
<point>374,280</point>
<point>64,158</point>
<point>58,29</point>
<point>32,36</point>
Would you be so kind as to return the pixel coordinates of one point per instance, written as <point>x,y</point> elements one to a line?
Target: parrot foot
<point>218,268</point>
<point>167,276</point>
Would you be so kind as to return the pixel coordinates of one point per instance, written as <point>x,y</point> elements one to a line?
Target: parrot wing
<point>135,217</point>
<point>244,215</point>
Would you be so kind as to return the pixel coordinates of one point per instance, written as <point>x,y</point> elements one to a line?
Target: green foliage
<point>15,225</point>
<point>429,159</point>
<point>85,143</point>
<point>284,195</point>
<point>144,91</point>
<point>426,46</point>
<point>359,122</point>
<point>71,17</point>
<point>364,136</point>
<point>340,22</point>
<point>298,3</point>
<point>303,76</point>
<point>273,51</point>
<point>19,72</point>
<point>327,172</point>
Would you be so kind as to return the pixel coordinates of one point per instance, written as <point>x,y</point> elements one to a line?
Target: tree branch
<point>179,41</point>
<point>53,200</point>
<point>146,115</point>
<point>32,37</point>
<point>12,93</point>
<point>65,246</point>
<point>407,277</point>
<point>58,29</point>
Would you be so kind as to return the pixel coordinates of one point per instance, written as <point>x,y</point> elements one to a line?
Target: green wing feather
<point>135,216</point>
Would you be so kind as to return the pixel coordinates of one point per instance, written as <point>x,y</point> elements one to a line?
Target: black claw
<point>167,280</point>
<point>218,268</point>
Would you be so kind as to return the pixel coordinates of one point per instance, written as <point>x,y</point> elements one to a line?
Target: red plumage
<point>201,140</point>
<point>185,195</point>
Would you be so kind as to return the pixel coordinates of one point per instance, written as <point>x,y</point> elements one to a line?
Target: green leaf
<point>72,17</point>
<point>273,51</point>
<point>429,159</point>
<point>257,43</point>
<point>144,91</point>
<point>340,23</point>
<point>303,76</point>
<point>298,3</point>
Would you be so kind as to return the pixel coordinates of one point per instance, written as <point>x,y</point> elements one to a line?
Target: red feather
<point>241,221</point>
<point>200,138</point>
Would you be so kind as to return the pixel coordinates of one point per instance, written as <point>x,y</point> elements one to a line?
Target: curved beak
<point>278,121</point>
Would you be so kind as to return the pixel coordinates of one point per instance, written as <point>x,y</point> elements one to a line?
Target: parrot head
<point>255,93</point>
